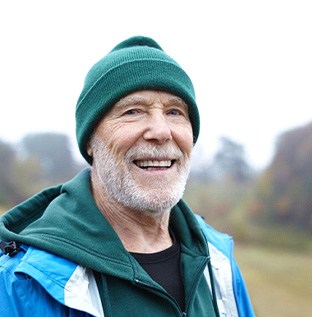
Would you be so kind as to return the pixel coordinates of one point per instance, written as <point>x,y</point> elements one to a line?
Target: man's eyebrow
<point>178,101</point>
<point>129,101</point>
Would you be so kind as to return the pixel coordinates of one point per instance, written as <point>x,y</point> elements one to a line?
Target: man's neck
<point>139,231</point>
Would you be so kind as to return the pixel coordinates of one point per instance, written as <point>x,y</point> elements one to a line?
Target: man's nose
<point>158,129</point>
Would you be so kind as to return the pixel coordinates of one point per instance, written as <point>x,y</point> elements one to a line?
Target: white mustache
<point>155,152</point>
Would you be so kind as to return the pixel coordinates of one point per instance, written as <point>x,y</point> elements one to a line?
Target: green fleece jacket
<point>65,220</point>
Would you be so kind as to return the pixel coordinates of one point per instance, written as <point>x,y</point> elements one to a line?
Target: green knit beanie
<point>137,63</point>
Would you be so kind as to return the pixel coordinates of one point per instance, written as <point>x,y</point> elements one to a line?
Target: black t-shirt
<point>164,268</point>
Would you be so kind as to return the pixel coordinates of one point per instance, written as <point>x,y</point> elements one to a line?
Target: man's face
<point>141,150</point>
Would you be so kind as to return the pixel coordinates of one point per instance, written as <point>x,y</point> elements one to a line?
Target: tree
<point>53,151</point>
<point>8,192</point>
<point>287,193</point>
<point>230,162</point>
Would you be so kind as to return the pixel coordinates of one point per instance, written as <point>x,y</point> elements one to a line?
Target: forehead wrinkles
<point>165,99</point>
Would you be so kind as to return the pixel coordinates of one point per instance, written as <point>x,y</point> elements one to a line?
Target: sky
<point>250,63</point>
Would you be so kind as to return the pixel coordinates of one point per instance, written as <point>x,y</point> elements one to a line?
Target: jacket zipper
<point>196,280</point>
<point>143,284</point>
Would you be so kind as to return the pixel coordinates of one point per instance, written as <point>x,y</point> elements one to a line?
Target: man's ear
<point>89,149</point>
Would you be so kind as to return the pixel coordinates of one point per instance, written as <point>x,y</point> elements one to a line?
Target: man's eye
<point>131,112</point>
<point>174,112</point>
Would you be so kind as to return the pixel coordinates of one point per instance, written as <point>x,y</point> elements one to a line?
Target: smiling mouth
<point>152,164</point>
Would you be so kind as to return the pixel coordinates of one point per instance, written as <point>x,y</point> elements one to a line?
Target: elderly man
<point>118,240</point>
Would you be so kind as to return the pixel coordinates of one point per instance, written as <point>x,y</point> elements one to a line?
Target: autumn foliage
<point>284,189</point>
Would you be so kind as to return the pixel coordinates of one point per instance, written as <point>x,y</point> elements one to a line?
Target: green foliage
<point>44,159</point>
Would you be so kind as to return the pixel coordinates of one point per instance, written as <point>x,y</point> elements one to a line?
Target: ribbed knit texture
<point>137,63</point>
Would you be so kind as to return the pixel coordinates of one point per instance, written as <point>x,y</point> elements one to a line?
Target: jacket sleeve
<point>243,302</point>
<point>16,290</point>
<point>21,295</point>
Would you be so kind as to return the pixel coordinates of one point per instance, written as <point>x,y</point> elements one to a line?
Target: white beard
<point>119,183</point>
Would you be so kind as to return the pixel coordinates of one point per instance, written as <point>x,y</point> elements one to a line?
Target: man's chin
<point>153,201</point>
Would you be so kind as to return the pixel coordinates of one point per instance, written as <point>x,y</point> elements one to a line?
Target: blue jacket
<point>37,282</point>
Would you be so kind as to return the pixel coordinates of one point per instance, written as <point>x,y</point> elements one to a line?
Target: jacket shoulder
<point>22,295</point>
<point>221,245</point>
<point>221,241</point>
<point>13,287</point>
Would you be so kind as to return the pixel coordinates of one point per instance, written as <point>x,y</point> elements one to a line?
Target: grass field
<point>279,281</point>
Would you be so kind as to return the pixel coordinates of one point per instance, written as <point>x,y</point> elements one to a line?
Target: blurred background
<point>251,66</point>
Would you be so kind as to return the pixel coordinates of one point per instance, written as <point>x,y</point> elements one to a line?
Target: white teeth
<point>153,163</point>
